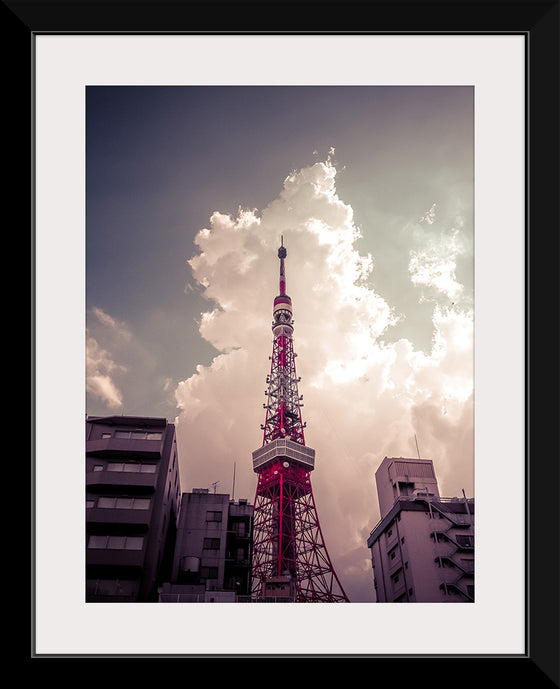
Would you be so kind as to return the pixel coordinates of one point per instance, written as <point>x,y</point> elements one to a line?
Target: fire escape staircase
<point>449,558</point>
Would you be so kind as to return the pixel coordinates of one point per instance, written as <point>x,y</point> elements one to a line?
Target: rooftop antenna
<point>466,502</point>
<point>417,450</point>
<point>214,485</point>
<point>233,486</point>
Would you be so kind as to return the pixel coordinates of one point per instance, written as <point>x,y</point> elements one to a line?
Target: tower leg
<point>287,538</point>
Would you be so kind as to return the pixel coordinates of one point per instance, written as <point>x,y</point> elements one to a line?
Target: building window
<point>106,435</point>
<point>239,528</point>
<point>115,542</point>
<point>213,516</point>
<point>138,435</point>
<point>140,504</point>
<point>211,544</point>
<point>98,467</point>
<point>97,542</point>
<point>123,503</point>
<point>208,572</point>
<point>132,467</point>
<point>110,587</point>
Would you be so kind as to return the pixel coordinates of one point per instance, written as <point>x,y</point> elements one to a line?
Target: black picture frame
<point>539,22</point>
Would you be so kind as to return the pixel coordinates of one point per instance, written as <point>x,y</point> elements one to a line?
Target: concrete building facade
<point>132,505</point>
<point>212,559</point>
<point>422,549</point>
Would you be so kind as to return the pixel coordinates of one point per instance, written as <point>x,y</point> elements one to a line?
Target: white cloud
<point>364,399</point>
<point>119,328</point>
<point>144,386</point>
<point>99,367</point>
<point>434,265</point>
<point>429,216</point>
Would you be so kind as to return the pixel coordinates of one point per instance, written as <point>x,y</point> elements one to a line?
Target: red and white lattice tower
<point>290,559</point>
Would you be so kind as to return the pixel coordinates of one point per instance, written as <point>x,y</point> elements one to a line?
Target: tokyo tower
<point>290,559</point>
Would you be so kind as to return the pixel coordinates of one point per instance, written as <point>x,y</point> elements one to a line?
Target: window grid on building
<point>104,542</point>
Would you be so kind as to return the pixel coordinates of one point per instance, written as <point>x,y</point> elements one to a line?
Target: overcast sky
<point>188,192</point>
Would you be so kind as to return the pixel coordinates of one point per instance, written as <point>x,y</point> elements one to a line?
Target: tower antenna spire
<point>288,546</point>
<point>282,253</point>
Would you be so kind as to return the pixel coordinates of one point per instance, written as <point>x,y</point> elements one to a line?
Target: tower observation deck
<point>289,553</point>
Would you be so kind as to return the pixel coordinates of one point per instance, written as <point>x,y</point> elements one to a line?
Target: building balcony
<point>117,516</point>
<point>115,558</point>
<point>118,478</point>
<point>124,447</point>
<point>234,535</point>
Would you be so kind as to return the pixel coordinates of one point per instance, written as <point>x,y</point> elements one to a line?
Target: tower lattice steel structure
<point>288,546</point>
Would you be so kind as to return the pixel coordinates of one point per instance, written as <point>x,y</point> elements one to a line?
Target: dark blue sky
<point>160,160</point>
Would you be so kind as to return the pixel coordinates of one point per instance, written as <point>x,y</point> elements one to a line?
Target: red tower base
<point>288,544</point>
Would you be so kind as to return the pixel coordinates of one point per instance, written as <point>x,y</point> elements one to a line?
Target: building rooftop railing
<point>424,498</point>
<point>266,599</point>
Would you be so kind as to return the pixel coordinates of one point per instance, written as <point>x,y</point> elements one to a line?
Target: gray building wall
<point>132,505</point>
<point>212,559</point>
<point>201,539</point>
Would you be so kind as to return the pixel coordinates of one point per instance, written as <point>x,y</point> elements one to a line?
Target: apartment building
<point>422,549</point>
<point>132,506</point>
<point>212,560</point>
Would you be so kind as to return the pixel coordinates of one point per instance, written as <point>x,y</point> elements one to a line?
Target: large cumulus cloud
<point>365,395</point>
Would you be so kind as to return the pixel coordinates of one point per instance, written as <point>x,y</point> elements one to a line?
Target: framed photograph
<point>409,171</point>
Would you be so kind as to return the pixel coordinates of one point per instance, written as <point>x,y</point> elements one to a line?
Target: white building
<point>422,549</point>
